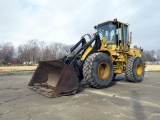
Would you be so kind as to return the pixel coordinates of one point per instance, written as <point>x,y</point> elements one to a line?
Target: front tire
<point>98,70</point>
<point>134,69</point>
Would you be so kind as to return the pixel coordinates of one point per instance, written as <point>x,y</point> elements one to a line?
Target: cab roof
<point>113,21</point>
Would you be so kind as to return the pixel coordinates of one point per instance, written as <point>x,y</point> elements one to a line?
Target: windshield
<point>107,30</point>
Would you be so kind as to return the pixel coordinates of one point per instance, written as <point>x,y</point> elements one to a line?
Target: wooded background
<point>32,51</point>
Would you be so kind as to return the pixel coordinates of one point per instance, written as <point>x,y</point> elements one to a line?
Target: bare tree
<point>1,57</point>
<point>153,52</point>
<point>158,55</point>
<point>7,52</point>
<point>42,48</point>
<point>23,53</point>
<point>58,50</point>
<point>34,50</point>
<point>47,53</point>
<point>149,56</point>
<point>29,51</point>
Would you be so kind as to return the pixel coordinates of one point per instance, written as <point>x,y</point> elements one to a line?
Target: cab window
<point>125,33</point>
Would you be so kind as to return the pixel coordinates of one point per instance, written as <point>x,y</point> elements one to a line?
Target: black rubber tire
<point>90,70</point>
<point>114,75</point>
<point>131,74</point>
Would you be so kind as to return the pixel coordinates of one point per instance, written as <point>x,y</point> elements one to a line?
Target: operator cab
<point>115,32</point>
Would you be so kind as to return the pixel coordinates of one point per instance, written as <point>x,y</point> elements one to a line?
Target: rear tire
<point>134,69</point>
<point>98,70</point>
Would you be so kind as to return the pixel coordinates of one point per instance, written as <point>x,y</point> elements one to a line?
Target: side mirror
<point>95,27</point>
<point>130,39</point>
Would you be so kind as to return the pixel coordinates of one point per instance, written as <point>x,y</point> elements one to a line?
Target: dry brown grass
<point>153,67</point>
<point>17,68</point>
<point>32,68</point>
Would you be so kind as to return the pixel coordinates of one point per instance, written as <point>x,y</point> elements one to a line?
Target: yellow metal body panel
<point>118,53</point>
<point>86,52</point>
<point>135,52</point>
<point>103,43</point>
<point>118,57</point>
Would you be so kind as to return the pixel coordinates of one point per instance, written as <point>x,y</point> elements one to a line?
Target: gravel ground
<point>121,101</point>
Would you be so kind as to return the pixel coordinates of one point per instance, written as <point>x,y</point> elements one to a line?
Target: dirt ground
<point>121,101</point>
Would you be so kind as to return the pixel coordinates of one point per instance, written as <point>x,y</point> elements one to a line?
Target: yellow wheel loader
<point>97,61</point>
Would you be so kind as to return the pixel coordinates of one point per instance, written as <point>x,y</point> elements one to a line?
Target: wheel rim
<point>139,69</point>
<point>103,70</point>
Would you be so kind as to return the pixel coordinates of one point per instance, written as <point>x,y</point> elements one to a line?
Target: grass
<point>17,68</point>
<point>153,67</point>
<point>33,68</point>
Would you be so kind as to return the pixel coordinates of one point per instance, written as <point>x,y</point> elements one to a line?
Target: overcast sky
<point>65,21</point>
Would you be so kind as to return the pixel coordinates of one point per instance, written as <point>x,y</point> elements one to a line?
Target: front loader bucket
<point>54,78</point>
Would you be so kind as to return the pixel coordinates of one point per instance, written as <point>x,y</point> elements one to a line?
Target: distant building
<point>28,63</point>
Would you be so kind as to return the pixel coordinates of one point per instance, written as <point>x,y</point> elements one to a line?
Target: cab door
<point>125,38</point>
